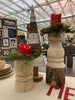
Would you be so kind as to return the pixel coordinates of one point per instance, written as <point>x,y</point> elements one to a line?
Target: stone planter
<point>24,76</point>
<point>55,68</point>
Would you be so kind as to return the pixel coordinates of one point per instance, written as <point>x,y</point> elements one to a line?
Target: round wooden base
<point>38,78</point>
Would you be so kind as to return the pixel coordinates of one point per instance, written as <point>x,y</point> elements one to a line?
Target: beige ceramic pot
<point>2,64</point>
<point>24,76</point>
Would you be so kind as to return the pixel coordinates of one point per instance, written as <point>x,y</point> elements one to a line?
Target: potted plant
<point>23,69</point>
<point>69,39</point>
<point>45,45</point>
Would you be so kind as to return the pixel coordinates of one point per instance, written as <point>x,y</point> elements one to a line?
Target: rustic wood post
<point>55,69</point>
<point>37,77</point>
<point>69,50</point>
<point>70,60</point>
<point>35,71</point>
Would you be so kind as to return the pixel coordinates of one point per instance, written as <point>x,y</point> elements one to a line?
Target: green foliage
<point>45,30</point>
<point>58,29</point>
<point>21,33</point>
<point>27,58</point>
<point>69,38</point>
<point>64,43</point>
<point>72,29</point>
<point>45,45</point>
<point>67,28</point>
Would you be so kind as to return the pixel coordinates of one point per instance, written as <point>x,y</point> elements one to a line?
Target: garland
<point>58,29</point>
<point>27,58</point>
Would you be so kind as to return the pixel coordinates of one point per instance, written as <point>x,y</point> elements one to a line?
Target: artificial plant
<point>18,56</point>
<point>58,29</point>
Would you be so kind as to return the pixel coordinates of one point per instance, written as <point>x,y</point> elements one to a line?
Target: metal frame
<point>62,10</point>
<point>22,16</point>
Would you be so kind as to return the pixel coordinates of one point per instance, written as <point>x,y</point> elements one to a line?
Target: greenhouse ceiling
<point>20,10</point>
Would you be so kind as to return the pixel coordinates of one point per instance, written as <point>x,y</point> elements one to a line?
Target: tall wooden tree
<point>33,38</point>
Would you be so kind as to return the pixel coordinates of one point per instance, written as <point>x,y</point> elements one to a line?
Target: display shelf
<point>21,36</point>
<point>8,32</point>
